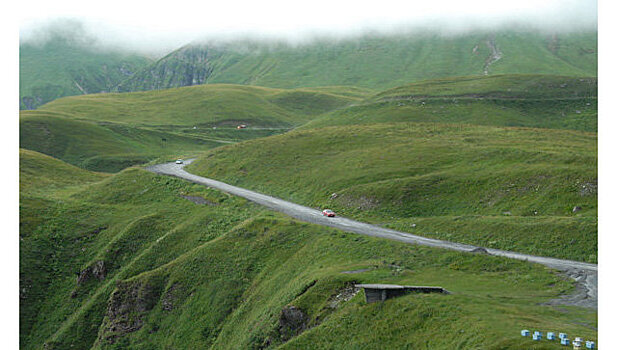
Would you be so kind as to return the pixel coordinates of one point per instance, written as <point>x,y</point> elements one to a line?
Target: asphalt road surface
<point>584,273</point>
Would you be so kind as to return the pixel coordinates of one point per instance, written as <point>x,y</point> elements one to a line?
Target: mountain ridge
<point>372,61</point>
<point>63,68</point>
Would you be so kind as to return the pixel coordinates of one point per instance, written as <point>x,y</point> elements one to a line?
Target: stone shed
<point>381,292</point>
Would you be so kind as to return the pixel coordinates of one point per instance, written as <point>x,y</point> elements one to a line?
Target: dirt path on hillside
<point>585,274</point>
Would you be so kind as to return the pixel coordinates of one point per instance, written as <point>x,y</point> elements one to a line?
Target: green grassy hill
<point>39,172</point>
<point>102,146</point>
<point>543,101</point>
<point>108,132</point>
<point>371,61</point>
<point>125,261</point>
<point>508,188</point>
<point>504,157</point>
<point>208,105</point>
<point>64,66</point>
<point>129,128</point>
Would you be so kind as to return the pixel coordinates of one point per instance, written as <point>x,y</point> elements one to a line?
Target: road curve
<point>584,273</point>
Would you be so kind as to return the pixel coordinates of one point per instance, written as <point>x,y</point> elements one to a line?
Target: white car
<point>179,161</point>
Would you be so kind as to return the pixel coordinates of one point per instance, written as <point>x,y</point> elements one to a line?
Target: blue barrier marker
<point>562,335</point>
<point>590,345</point>
<point>525,333</point>
<point>537,336</point>
<point>565,341</point>
<point>550,336</point>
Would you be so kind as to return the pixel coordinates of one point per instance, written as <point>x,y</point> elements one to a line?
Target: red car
<point>328,213</point>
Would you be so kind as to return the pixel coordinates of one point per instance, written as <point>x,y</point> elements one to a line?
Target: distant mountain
<point>376,62</point>
<point>184,67</point>
<point>62,66</point>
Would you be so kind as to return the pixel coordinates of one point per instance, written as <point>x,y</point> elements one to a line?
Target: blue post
<point>525,333</point>
<point>550,336</point>
<point>537,336</point>
<point>590,345</point>
<point>565,341</point>
<point>562,335</point>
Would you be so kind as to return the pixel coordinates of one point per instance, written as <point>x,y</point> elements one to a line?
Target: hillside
<point>130,261</point>
<point>508,188</point>
<point>544,101</point>
<point>49,173</point>
<point>108,132</point>
<point>208,105</point>
<point>65,66</point>
<point>371,61</point>
<point>129,128</point>
<point>483,138</point>
<point>101,146</point>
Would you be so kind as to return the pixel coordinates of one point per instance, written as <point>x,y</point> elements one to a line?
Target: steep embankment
<point>527,190</point>
<point>372,61</point>
<point>133,261</point>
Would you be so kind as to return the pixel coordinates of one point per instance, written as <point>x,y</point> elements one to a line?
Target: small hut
<point>381,292</point>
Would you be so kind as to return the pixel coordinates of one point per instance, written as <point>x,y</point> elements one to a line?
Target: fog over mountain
<point>164,29</point>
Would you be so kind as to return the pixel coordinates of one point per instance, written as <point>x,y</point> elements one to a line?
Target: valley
<point>466,162</point>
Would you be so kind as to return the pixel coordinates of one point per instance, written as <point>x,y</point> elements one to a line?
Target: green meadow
<point>538,101</point>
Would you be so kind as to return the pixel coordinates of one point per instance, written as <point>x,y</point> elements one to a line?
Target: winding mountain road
<point>584,273</point>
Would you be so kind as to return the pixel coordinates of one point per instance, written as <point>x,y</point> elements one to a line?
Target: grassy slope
<point>108,132</point>
<point>378,62</point>
<point>510,188</point>
<point>38,172</point>
<point>101,146</point>
<point>56,68</point>
<point>502,100</point>
<point>571,54</point>
<point>130,127</point>
<point>198,276</point>
<point>205,105</point>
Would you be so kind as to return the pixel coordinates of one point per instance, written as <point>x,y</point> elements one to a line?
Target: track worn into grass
<point>587,274</point>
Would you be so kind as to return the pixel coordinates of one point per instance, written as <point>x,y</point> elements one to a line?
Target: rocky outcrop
<point>170,297</point>
<point>95,271</point>
<point>187,66</point>
<point>127,308</point>
<point>292,322</point>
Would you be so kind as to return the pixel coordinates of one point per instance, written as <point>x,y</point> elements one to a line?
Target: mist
<point>157,32</point>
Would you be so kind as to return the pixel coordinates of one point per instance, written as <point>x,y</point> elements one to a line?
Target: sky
<point>158,27</point>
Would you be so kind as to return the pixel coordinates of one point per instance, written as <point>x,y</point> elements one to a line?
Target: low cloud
<point>159,32</point>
